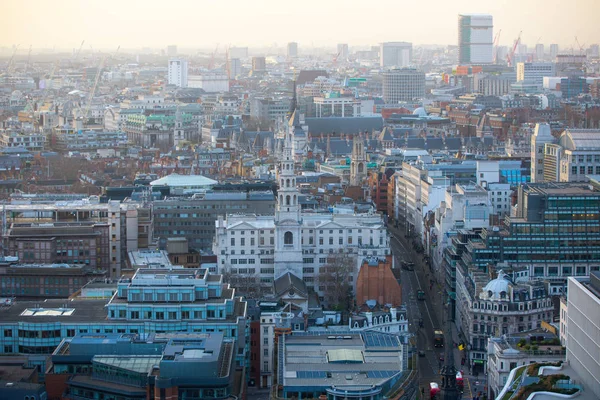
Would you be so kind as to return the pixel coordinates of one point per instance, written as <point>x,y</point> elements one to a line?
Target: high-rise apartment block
<point>395,54</point>
<point>539,52</point>
<point>553,51</point>
<point>403,84</point>
<point>178,72</point>
<point>475,39</point>
<point>292,49</point>
<point>259,64</point>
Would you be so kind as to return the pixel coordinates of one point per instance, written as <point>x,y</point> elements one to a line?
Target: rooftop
<point>176,180</point>
<point>54,310</point>
<point>349,360</point>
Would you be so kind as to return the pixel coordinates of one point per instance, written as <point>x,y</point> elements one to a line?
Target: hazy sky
<point>203,23</point>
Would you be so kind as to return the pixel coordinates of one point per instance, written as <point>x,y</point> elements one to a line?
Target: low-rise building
<point>367,365</point>
<point>45,280</point>
<point>179,365</point>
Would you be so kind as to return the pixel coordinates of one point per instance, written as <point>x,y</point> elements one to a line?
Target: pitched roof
<point>343,125</point>
<point>289,281</point>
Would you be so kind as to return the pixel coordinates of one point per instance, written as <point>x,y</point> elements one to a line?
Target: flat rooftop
<point>342,360</point>
<point>55,310</point>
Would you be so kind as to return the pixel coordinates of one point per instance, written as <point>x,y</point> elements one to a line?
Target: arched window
<point>288,183</point>
<point>287,200</point>
<point>294,200</point>
<point>288,238</point>
<point>361,168</point>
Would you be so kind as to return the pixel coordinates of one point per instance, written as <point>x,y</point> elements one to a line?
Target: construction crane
<point>78,51</point>
<point>579,45</point>
<point>212,57</point>
<point>28,60</point>
<point>227,64</point>
<point>96,80</point>
<point>335,58</point>
<point>496,42</point>
<point>511,55</point>
<point>10,64</point>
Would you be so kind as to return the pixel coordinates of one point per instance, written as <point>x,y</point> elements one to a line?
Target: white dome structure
<point>497,289</point>
<point>420,112</point>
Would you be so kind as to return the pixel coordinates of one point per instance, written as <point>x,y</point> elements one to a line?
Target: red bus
<point>434,391</point>
<point>460,384</point>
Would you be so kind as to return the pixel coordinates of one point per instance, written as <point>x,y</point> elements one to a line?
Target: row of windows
<point>168,315</point>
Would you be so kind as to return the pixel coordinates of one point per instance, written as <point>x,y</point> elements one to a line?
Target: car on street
<point>421,353</point>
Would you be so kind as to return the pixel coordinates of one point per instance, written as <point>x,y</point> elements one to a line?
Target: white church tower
<point>358,162</point>
<point>288,224</point>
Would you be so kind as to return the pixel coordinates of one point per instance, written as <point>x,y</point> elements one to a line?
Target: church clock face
<point>291,292</point>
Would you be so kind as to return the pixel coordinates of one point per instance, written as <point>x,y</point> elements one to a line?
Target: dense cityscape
<point>393,221</point>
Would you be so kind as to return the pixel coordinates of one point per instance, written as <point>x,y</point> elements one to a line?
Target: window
<point>308,260</point>
<point>288,238</point>
<point>266,352</point>
<point>233,241</point>
<point>330,240</point>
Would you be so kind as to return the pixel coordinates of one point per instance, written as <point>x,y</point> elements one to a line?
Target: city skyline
<point>190,24</point>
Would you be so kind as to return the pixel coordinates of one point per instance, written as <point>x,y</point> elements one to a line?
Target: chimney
<point>369,316</point>
<point>394,314</point>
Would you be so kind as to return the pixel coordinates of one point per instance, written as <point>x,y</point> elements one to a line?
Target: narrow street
<point>430,310</point>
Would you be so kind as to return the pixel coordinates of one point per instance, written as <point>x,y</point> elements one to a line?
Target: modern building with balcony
<point>365,366</point>
<point>152,301</point>
<point>508,352</point>
<point>174,365</point>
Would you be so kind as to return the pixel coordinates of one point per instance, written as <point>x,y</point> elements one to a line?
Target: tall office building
<point>235,68</point>
<point>534,73</point>
<point>342,51</point>
<point>539,52</point>
<point>553,51</point>
<point>259,64</point>
<point>475,39</point>
<point>594,51</point>
<point>395,54</point>
<point>178,72</point>
<point>403,84</point>
<point>292,49</point>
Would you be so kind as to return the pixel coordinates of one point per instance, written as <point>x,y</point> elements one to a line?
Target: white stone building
<point>292,241</point>
<point>498,307</point>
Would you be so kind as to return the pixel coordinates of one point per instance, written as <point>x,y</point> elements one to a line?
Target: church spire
<point>294,102</point>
